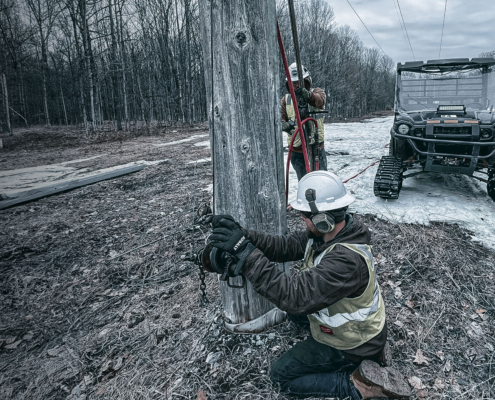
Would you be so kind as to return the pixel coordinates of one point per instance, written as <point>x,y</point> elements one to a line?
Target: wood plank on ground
<point>56,188</point>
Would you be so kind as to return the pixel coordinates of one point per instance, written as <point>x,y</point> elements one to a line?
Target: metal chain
<point>203,299</point>
<point>203,212</point>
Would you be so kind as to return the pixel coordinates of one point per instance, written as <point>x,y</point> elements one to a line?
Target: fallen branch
<point>25,120</point>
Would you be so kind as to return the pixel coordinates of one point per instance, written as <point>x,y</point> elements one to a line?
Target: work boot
<point>385,357</point>
<point>375,382</point>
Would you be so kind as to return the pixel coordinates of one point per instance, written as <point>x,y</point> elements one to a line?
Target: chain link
<point>203,299</point>
<point>203,212</point>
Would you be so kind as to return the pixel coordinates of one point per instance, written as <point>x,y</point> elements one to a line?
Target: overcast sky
<point>469,26</point>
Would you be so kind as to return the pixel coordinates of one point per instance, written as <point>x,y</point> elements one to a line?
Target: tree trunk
<point>188,88</point>
<point>86,42</point>
<point>242,81</point>
<point>80,78</point>
<point>22,94</point>
<point>7,127</point>
<point>44,69</point>
<point>123,70</point>
<point>114,68</point>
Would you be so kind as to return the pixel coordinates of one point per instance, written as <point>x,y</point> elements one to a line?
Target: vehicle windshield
<point>474,88</point>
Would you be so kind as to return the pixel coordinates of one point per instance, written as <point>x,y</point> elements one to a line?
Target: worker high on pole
<point>309,100</point>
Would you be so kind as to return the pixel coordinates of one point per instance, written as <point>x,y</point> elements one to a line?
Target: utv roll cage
<point>444,122</point>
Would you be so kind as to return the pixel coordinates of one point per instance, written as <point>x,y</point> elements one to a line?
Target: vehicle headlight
<point>403,129</point>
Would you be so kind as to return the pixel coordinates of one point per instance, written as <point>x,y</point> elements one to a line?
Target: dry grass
<point>445,306</point>
<point>92,326</point>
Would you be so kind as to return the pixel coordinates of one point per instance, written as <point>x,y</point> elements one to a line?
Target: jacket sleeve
<point>318,98</point>
<point>283,110</point>
<point>280,248</point>
<point>339,274</point>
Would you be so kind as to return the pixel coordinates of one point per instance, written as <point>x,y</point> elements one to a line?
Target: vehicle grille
<point>452,130</point>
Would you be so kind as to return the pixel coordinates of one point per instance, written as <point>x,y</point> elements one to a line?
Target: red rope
<point>352,177</point>
<point>290,153</point>
<point>359,173</point>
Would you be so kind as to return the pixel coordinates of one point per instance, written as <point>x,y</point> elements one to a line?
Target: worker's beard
<point>313,232</point>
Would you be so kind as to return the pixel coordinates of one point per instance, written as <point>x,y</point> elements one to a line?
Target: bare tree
<point>44,13</point>
<point>6,125</point>
<point>142,60</point>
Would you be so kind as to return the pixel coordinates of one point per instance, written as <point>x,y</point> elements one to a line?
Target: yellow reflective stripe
<point>361,313</point>
<point>308,246</point>
<point>340,319</point>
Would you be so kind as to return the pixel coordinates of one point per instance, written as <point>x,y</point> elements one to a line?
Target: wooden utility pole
<point>241,73</point>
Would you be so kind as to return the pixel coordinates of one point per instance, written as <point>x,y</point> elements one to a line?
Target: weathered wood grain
<point>241,60</point>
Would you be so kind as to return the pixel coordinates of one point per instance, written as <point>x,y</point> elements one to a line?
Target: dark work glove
<point>217,261</point>
<point>288,126</point>
<point>227,236</point>
<point>303,93</point>
<point>215,220</point>
<point>232,239</point>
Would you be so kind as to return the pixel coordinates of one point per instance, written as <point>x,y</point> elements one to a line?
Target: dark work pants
<point>297,161</point>
<point>314,369</point>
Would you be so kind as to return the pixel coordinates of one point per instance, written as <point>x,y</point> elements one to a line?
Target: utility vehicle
<point>444,122</point>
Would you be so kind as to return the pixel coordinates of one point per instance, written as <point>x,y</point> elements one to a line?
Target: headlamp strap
<point>311,198</point>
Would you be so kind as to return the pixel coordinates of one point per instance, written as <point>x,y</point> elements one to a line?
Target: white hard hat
<point>329,190</point>
<point>293,73</point>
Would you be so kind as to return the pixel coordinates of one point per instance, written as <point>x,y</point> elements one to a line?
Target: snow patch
<point>179,141</point>
<point>426,198</point>
<point>206,143</point>
<point>82,160</point>
<point>200,161</point>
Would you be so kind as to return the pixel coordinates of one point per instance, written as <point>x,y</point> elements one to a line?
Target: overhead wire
<point>366,28</point>
<point>443,26</point>
<point>407,34</point>
<point>400,21</point>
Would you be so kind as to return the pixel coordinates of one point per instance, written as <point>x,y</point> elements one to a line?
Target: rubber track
<point>388,179</point>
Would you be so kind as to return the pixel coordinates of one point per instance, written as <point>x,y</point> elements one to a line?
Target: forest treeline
<point>89,62</point>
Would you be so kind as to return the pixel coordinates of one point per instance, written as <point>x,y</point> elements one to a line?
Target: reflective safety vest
<point>291,114</point>
<point>350,322</point>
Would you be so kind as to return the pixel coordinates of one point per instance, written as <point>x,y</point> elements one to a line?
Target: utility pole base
<point>273,317</point>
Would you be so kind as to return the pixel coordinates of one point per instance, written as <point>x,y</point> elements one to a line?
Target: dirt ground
<point>98,301</point>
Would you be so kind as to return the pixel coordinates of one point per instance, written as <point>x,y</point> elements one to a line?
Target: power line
<point>366,27</point>
<point>408,39</point>
<point>400,22</point>
<point>443,26</point>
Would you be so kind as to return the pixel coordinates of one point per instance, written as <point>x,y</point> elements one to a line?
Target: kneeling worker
<point>336,294</point>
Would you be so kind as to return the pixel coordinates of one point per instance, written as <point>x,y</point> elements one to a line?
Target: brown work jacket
<point>341,273</point>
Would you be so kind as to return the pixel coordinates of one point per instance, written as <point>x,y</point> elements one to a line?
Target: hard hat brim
<point>306,77</point>
<point>330,204</point>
